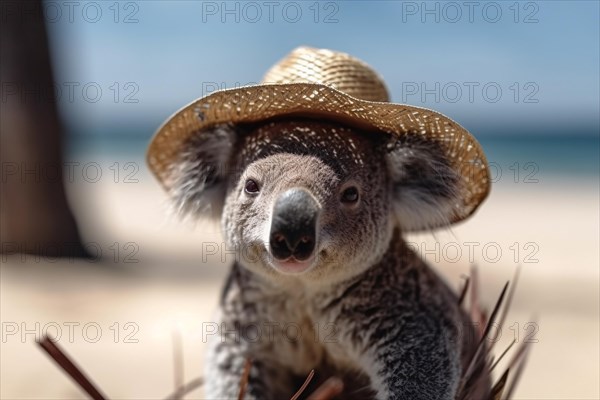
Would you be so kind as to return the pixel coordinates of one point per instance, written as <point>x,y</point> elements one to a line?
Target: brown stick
<point>244,380</point>
<point>304,385</point>
<point>185,389</point>
<point>507,303</point>
<point>479,356</point>
<point>70,368</point>
<point>517,364</point>
<point>503,354</point>
<point>498,388</point>
<point>464,291</point>
<point>177,362</point>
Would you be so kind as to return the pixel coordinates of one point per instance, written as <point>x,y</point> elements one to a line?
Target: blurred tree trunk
<point>34,214</point>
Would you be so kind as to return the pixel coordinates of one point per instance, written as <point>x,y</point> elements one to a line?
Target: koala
<point>323,279</point>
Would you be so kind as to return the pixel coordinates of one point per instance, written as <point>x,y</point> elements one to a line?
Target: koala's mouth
<point>291,265</point>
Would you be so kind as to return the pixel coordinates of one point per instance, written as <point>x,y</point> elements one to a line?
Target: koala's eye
<point>350,195</point>
<point>251,187</point>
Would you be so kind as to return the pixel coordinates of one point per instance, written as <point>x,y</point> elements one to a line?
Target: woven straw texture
<point>333,86</point>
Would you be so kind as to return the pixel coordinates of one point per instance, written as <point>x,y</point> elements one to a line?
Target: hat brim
<point>260,102</point>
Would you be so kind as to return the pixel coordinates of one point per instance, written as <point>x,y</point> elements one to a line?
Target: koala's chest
<point>288,327</point>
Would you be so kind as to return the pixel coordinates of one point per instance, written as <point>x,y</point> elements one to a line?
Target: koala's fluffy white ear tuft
<point>200,175</point>
<point>424,184</point>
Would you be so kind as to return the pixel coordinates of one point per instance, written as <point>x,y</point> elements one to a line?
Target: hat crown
<point>335,69</point>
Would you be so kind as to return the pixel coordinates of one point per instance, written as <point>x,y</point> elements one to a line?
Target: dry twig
<point>244,379</point>
<point>304,385</point>
<point>177,363</point>
<point>70,368</point>
<point>185,389</point>
<point>464,291</point>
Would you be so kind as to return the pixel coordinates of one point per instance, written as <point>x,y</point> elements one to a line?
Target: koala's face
<point>310,199</point>
<point>313,199</point>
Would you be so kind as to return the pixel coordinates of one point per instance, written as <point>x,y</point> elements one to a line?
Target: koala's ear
<point>424,184</point>
<point>199,177</point>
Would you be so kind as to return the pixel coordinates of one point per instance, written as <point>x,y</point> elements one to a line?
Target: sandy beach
<point>117,319</point>
<point>86,86</point>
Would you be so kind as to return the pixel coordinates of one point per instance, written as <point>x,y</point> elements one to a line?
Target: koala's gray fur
<point>366,309</point>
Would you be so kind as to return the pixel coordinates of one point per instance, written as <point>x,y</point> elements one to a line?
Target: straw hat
<point>329,85</point>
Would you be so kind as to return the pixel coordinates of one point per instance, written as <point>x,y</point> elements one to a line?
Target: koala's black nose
<point>294,224</point>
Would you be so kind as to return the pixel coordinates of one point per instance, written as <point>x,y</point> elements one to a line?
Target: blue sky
<point>542,56</point>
